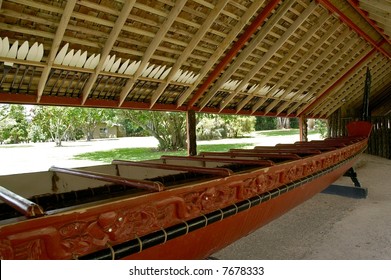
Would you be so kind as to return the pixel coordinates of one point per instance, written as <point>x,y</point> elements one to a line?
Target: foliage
<point>265,123</point>
<point>89,118</point>
<point>294,122</point>
<point>13,124</point>
<point>169,128</point>
<point>131,129</point>
<point>212,126</point>
<point>321,127</point>
<point>55,121</point>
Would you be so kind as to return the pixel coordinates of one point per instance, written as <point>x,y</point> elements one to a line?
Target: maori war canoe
<point>170,208</point>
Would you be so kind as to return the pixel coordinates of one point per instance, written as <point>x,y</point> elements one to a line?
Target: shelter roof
<point>266,57</point>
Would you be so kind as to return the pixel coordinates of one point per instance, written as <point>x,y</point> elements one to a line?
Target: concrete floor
<point>329,226</point>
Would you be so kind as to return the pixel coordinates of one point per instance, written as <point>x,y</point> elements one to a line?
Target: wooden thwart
<point>224,172</point>
<point>151,186</point>
<point>20,204</point>
<point>251,153</point>
<point>263,162</point>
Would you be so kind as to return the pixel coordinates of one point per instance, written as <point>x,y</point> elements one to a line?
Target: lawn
<point>136,154</point>
<point>283,132</point>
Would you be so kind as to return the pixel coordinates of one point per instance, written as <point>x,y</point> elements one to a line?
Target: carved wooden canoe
<point>170,208</point>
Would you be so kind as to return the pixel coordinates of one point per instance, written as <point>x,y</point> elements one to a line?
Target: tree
<point>13,124</point>
<point>211,126</point>
<point>55,121</point>
<point>283,123</point>
<point>169,128</point>
<point>265,123</point>
<point>89,118</point>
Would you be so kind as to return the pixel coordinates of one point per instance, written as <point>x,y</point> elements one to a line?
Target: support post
<point>303,126</point>
<point>355,192</point>
<point>191,133</point>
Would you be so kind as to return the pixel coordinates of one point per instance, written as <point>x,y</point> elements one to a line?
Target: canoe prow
<point>359,129</point>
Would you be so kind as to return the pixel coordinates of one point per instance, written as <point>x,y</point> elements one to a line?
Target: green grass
<point>283,132</point>
<point>136,154</point>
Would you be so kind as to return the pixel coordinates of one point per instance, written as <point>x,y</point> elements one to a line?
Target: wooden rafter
<point>152,48</point>
<point>255,6</point>
<point>128,6</point>
<point>323,69</point>
<point>187,52</point>
<point>66,16</point>
<point>337,82</point>
<point>297,65</point>
<point>246,52</point>
<point>235,49</point>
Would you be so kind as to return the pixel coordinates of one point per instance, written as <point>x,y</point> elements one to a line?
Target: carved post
<point>191,133</point>
<point>303,129</point>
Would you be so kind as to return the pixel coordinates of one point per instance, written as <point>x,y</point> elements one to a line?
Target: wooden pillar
<point>191,133</point>
<point>303,129</point>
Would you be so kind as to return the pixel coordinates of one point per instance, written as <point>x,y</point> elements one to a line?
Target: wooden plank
<point>152,48</point>
<point>140,184</point>
<point>20,204</point>
<point>126,9</point>
<point>223,172</point>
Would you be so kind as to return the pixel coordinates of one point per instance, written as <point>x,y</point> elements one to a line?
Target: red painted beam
<point>355,5</point>
<point>76,102</point>
<point>340,80</point>
<point>260,19</point>
<point>351,24</point>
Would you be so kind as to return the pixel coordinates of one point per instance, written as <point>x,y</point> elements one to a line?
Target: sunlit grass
<point>283,132</point>
<point>136,154</point>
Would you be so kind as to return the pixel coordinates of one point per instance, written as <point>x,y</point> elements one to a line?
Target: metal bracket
<point>355,192</point>
<point>353,176</point>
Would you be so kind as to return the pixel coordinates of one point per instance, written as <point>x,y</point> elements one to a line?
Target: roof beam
<point>189,49</point>
<point>322,70</point>
<point>157,39</point>
<point>355,5</point>
<point>319,85</point>
<point>246,52</point>
<point>298,64</point>
<point>351,91</point>
<point>119,23</point>
<point>276,46</point>
<point>355,91</point>
<point>266,12</point>
<point>310,106</point>
<point>343,93</point>
<point>231,36</point>
<point>66,16</point>
<point>327,4</point>
<point>286,58</point>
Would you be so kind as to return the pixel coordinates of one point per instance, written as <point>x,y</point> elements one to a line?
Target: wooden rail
<point>140,184</point>
<point>302,151</point>
<point>224,172</point>
<point>222,160</point>
<point>24,206</point>
<point>259,154</point>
